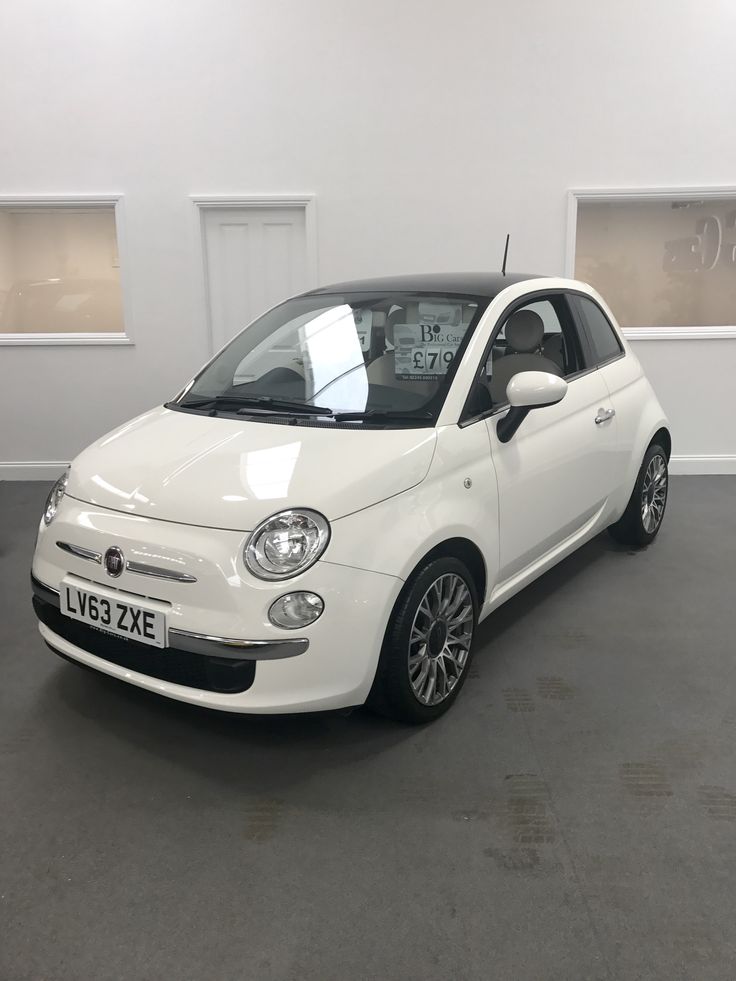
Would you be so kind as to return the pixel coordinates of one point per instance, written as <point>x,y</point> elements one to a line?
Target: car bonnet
<point>230,473</point>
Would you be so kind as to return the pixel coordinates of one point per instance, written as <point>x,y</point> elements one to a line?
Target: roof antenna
<point>505,254</point>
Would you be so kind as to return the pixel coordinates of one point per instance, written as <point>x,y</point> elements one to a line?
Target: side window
<point>538,336</point>
<point>602,335</point>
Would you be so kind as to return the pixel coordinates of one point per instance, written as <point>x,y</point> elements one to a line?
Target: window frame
<point>72,202</point>
<point>628,194</point>
<point>517,304</point>
<point>579,314</point>
<point>482,302</point>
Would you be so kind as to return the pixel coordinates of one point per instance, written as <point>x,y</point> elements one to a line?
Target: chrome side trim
<point>239,650</point>
<point>81,553</point>
<point>141,569</point>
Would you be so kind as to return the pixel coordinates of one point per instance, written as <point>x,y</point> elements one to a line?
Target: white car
<point>327,510</point>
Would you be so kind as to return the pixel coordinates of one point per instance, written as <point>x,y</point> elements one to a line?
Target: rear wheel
<point>643,516</point>
<point>427,649</point>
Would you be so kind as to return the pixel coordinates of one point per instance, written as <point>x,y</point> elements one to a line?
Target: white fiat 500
<point>327,510</point>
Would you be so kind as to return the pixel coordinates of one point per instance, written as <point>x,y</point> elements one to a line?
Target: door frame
<point>201,203</point>
<point>520,301</point>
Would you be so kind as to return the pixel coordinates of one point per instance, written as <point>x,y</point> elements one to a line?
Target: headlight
<point>54,499</point>
<point>286,544</point>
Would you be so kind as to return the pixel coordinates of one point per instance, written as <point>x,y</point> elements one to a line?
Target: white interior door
<point>255,256</point>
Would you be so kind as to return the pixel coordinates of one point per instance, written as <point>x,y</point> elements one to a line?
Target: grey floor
<point>574,816</point>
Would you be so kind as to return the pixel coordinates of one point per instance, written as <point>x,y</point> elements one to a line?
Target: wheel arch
<point>467,552</point>
<point>649,431</point>
<point>457,547</point>
<point>664,439</point>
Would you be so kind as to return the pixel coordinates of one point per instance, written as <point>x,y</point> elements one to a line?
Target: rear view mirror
<point>529,390</point>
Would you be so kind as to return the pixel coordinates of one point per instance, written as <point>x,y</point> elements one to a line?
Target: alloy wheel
<point>654,494</point>
<point>440,639</point>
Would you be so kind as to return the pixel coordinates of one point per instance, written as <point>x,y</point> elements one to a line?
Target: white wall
<point>426,130</point>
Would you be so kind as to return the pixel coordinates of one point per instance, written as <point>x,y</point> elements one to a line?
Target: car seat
<point>524,338</point>
<point>554,348</point>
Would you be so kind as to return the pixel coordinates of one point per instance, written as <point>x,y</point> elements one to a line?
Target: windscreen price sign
<point>425,350</point>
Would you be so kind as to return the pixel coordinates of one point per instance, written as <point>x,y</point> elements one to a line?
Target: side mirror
<point>529,390</point>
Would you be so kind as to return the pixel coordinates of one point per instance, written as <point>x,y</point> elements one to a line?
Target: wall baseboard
<point>42,470</point>
<point>716,463</point>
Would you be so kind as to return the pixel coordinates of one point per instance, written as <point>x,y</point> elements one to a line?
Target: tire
<point>642,519</point>
<point>422,666</point>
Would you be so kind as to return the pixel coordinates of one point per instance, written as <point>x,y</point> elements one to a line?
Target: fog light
<point>294,610</point>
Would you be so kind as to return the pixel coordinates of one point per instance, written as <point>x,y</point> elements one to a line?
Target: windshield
<point>361,358</point>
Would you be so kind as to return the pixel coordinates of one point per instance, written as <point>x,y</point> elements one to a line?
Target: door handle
<point>604,415</point>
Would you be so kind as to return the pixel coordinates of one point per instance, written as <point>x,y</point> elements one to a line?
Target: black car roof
<point>471,283</point>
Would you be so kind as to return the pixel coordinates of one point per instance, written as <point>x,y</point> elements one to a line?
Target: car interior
<point>539,336</point>
<point>357,364</point>
<point>534,338</point>
<point>381,363</point>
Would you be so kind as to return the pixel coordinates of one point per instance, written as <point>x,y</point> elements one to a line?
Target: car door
<point>622,374</point>
<point>554,475</point>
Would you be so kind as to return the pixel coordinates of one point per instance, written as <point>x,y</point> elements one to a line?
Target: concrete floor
<point>573,817</point>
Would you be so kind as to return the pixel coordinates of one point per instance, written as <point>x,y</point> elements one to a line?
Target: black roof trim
<point>472,284</point>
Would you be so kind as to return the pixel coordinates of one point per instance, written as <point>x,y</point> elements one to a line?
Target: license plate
<point>114,615</point>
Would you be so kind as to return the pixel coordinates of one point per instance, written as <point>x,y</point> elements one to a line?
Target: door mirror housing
<point>529,390</point>
<point>535,389</point>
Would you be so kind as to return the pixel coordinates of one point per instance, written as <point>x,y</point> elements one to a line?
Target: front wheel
<point>643,516</point>
<point>427,649</point>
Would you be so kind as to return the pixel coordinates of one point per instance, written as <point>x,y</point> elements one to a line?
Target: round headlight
<point>286,544</point>
<point>54,499</point>
<point>296,610</point>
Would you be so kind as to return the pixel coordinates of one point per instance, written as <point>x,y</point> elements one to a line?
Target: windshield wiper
<point>264,402</point>
<point>381,415</point>
<point>294,407</point>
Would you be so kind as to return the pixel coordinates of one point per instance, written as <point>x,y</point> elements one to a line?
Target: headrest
<point>397,316</point>
<point>524,331</point>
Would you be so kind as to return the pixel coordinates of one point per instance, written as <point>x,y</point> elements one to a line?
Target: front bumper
<point>211,603</point>
<point>214,664</point>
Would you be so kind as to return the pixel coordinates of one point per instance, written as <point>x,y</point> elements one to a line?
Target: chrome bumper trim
<point>81,553</point>
<point>211,646</point>
<point>141,569</point>
<point>240,650</point>
<point>137,568</point>
<point>44,592</point>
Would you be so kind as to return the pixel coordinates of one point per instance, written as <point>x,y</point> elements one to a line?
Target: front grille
<point>201,671</point>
